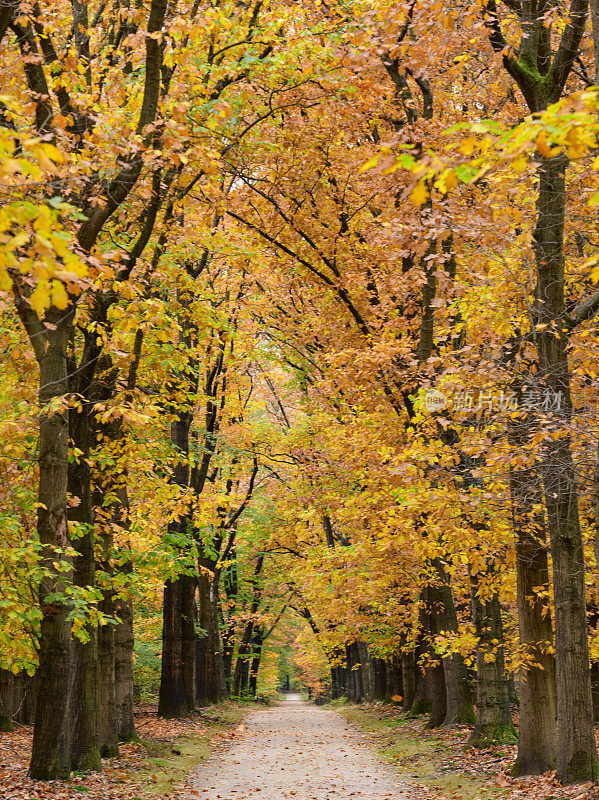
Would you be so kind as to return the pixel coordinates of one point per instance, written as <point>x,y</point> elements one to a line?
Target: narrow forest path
<point>299,751</point>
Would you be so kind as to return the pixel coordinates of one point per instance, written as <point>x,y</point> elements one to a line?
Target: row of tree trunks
<point>17,699</point>
<point>241,676</point>
<point>362,677</point>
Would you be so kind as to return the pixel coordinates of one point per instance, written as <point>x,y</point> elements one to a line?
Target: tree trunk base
<point>464,716</point>
<point>492,734</point>
<point>419,707</point>
<point>91,762</point>
<point>109,751</point>
<point>6,725</point>
<point>535,764</point>
<point>582,767</point>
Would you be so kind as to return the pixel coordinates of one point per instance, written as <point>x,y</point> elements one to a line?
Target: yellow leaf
<point>447,181</point>
<point>543,145</point>
<point>40,297</point>
<point>60,298</point>
<point>468,146</point>
<point>44,161</point>
<point>9,166</point>
<point>419,194</point>
<point>519,164</point>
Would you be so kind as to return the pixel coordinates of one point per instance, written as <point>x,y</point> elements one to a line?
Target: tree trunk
<point>211,677</point>
<point>436,678</point>
<point>357,673</point>
<point>228,636</point>
<point>107,513</point>
<point>443,617</point>
<point>7,704</point>
<point>408,680</point>
<point>188,639</point>
<point>123,669</point>
<point>240,677</point>
<point>172,700</point>
<point>394,677</point>
<point>576,750</point>
<point>108,735</point>
<point>367,672</point>
<point>493,715</point>
<point>423,697</point>
<point>50,752</point>
<point>17,699</point>
<point>257,644</point>
<point>537,742</point>
<point>83,695</point>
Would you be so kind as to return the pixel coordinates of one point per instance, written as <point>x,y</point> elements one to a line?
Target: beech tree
<point>307,299</point>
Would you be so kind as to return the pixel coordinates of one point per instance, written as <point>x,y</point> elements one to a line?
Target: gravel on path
<point>297,751</point>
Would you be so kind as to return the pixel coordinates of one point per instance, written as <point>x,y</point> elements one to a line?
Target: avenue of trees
<point>297,311</point>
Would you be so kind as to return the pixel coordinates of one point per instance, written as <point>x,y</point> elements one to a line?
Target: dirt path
<point>298,751</point>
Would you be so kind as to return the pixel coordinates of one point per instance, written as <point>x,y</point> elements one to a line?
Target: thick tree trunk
<point>257,644</point>
<point>367,672</point>
<point>83,694</point>
<point>408,679</point>
<point>50,753</point>
<point>576,750</point>
<point>123,669</point>
<point>108,735</point>
<point>537,742</point>
<point>423,695</point>
<point>493,714</point>
<point>107,513</point>
<point>380,674</point>
<point>188,639</point>
<point>228,636</point>
<point>172,700</point>
<point>394,677</point>
<point>443,617</point>
<point>211,676</point>
<point>356,673</point>
<point>431,694</point>
<point>436,678</point>
<point>7,700</point>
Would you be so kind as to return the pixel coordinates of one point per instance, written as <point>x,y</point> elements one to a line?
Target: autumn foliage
<point>298,306</point>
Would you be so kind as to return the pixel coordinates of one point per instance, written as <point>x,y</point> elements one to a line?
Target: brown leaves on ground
<point>451,768</point>
<point>121,778</point>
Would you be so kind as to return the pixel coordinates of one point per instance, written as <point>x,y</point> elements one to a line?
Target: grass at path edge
<point>169,762</point>
<point>434,762</point>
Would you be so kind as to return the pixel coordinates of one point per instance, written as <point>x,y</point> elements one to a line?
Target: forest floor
<point>153,767</point>
<point>299,751</point>
<point>294,750</point>
<point>437,765</point>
